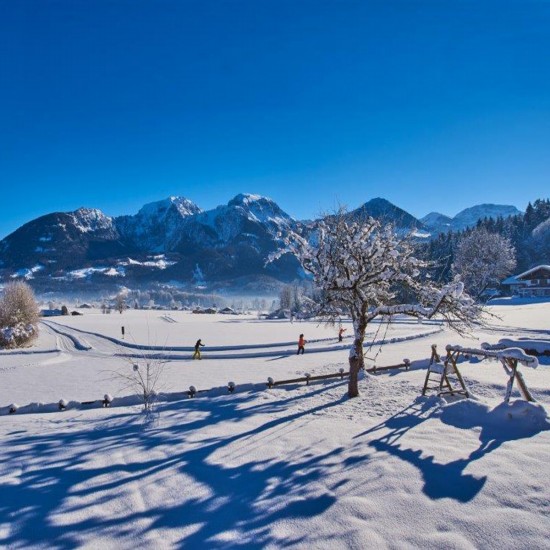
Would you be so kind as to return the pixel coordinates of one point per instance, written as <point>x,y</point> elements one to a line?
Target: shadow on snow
<point>51,482</point>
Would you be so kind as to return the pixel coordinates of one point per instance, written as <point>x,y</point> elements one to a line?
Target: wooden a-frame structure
<point>442,373</point>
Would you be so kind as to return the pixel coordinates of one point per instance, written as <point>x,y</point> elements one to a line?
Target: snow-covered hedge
<point>18,315</point>
<point>12,337</point>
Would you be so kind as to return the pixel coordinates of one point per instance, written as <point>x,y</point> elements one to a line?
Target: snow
<point>501,354</point>
<point>150,213</point>
<point>158,224</point>
<point>89,220</point>
<point>87,272</point>
<point>296,465</point>
<point>532,270</point>
<point>159,262</point>
<point>21,332</point>
<point>542,347</point>
<point>27,272</point>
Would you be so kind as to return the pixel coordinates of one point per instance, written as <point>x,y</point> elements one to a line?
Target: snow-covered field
<point>294,465</point>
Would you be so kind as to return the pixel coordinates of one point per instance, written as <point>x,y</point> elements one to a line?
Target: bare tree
<point>483,259</point>
<point>18,315</point>
<point>361,267</point>
<point>142,375</point>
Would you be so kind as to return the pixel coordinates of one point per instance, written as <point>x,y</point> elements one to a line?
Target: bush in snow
<point>18,315</point>
<point>483,259</point>
<point>143,378</point>
<point>12,337</point>
<point>362,267</point>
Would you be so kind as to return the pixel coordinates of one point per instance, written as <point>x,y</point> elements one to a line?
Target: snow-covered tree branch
<point>364,267</point>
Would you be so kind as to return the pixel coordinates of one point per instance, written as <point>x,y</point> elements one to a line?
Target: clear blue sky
<point>434,105</point>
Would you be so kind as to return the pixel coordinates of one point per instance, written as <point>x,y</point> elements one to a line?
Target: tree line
<point>526,235</point>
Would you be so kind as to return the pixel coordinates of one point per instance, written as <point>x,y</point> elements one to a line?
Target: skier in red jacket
<point>301,345</point>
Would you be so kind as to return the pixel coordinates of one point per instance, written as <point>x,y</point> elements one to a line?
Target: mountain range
<point>439,223</point>
<point>166,241</point>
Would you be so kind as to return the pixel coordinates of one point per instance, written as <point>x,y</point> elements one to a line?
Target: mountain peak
<point>469,216</point>
<point>247,199</point>
<point>260,209</point>
<point>379,201</point>
<point>90,219</point>
<point>383,209</point>
<point>436,219</point>
<point>440,223</point>
<point>184,206</point>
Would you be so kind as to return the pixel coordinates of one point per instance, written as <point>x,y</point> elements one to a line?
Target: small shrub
<point>18,315</point>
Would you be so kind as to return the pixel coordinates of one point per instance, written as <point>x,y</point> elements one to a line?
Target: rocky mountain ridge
<point>166,240</point>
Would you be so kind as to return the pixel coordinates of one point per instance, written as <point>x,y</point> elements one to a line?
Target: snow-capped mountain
<point>61,240</point>
<point>439,223</point>
<point>157,225</point>
<point>245,218</point>
<point>234,240</point>
<point>166,241</point>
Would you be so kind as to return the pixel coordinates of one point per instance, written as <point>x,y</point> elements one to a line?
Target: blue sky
<point>434,105</point>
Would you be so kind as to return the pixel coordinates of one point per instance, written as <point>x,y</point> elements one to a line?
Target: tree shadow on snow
<point>76,483</point>
<point>506,422</point>
<point>440,480</point>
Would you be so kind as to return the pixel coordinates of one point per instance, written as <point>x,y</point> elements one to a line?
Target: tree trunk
<point>356,359</point>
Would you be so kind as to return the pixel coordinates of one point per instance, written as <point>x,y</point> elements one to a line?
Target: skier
<point>301,345</point>
<point>341,334</point>
<point>198,349</point>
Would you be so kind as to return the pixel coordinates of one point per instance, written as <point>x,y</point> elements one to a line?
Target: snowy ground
<point>294,465</point>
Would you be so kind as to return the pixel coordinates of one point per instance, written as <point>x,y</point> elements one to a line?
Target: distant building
<point>534,282</point>
<point>50,312</point>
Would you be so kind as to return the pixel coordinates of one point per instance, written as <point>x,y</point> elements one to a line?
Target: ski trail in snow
<point>69,342</point>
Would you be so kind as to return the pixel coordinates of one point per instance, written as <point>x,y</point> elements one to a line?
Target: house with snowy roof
<point>534,282</point>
